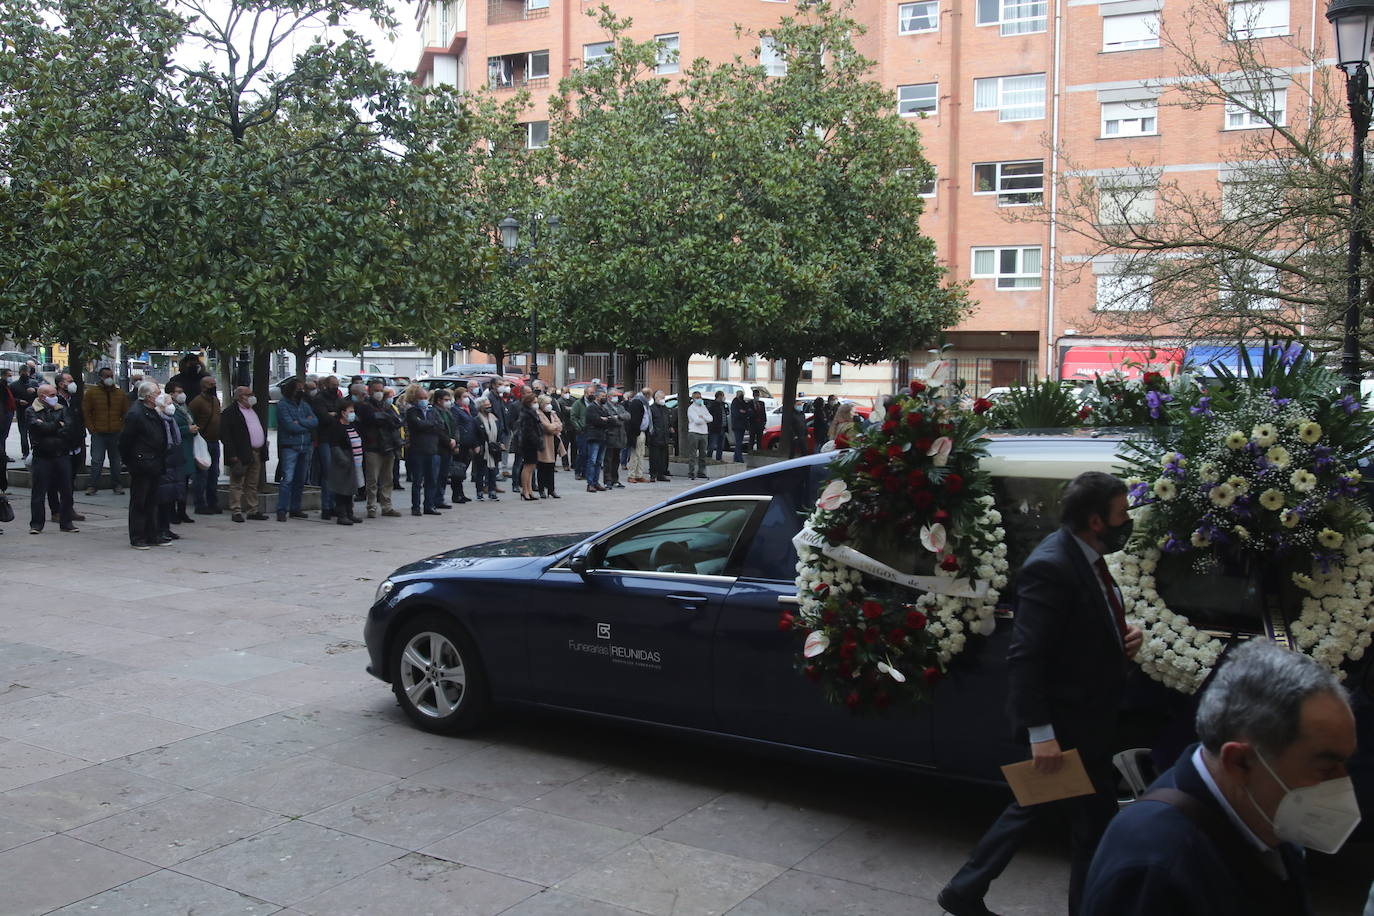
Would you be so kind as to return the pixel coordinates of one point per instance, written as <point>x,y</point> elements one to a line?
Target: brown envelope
<point>1032,787</point>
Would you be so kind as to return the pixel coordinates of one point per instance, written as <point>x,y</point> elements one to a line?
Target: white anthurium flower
<point>939,451</point>
<point>892,672</point>
<point>816,643</point>
<point>933,538</point>
<point>835,494</point>
<point>937,370</point>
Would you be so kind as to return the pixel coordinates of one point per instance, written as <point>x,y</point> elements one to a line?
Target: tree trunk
<point>791,374</point>
<point>682,363</point>
<point>301,350</point>
<point>262,366</point>
<point>500,355</point>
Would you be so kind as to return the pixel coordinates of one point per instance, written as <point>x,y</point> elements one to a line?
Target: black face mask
<point>1114,537</point>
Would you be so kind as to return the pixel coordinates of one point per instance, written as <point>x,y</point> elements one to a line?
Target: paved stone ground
<point>190,729</point>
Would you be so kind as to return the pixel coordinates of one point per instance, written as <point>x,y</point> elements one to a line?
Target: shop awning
<point>1202,359</point>
<point>1082,363</point>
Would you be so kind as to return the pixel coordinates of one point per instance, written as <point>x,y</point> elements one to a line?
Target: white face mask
<point>169,409</point>
<point>377,396</point>
<point>252,400</point>
<point>1320,817</point>
<point>348,417</point>
<point>424,403</point>
<point>51,400</point>
<point>108,382</point>
<point>71,387</point>
<point>181,397</point>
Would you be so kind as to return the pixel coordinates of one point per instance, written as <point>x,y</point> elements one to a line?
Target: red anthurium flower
<point>917,387</point>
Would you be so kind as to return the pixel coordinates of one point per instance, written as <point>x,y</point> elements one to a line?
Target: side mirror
<point>578,561</point>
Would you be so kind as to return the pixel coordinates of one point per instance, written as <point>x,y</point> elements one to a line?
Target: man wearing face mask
<point>72,397</point>
<point>1067,666</point>
<point>245,452</point>
<point>326,403</point>
<point>105,407</point>
<point>143,446</point>
<point>1220,833</point>
<point>50,439</point>
<point>205,410</point>
<point>296,425</point>
<point>380,427</point>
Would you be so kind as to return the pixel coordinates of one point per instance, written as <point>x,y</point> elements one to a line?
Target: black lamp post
<point>1354,24</point>
<point>510,240</point>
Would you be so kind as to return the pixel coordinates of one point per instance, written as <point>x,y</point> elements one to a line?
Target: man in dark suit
<point>1067,665</point>
<point>1219,833</point>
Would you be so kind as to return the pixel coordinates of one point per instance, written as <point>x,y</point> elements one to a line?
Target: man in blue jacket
<point>1220,833</point>
<point>296,425</point>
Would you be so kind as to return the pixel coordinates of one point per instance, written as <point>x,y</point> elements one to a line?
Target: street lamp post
<point>1353,21</point>
<point>510,240</point>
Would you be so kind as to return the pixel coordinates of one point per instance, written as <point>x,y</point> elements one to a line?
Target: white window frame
<point>1140,115</point>
<point>601,55</point>
<point>529,135</point>
<point>772,60</point>
<point>1145,36</point>
<point>1014,17</point>
<point>1125,205</point>
<point>1257,19</point>
<point>1017,279</point>
<point>917,112</point>
<point>669,47</point>
<point>1123,293</point>
<point>998,86</point>
<point>1006,195</point>
<point>1237,117</point>
<point>529,65</point>
<point>536,5</point>
<point>932,15</point>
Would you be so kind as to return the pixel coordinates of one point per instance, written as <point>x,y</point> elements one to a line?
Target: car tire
<point>437,675</point>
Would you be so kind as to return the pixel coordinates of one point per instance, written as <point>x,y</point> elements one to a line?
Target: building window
<point>539,65</point>
<point>596,54</point>
<point>1248,110</point>
<point>774,64</point>
<point>1014,183</point>
<point>927,186</point>
<point>750,369</point>
<point>536,5</point>
<point>1258,19</point>
<point>918,98</point>
<point>1244,285</point>
<point>1013,268</point>
<point>914,18</point>
<point>1123,292</point>
<point>808,368</point>
<point>834,370</point>
<point>1134,30</point>
<point>1014,98</point>
<point>1016,17</point>
<point>667,53</point>
<point>779,370</point>
<point>722,370</point>
<point>1123,205</point>
<point>1136,118</point>
<point>536,134</point>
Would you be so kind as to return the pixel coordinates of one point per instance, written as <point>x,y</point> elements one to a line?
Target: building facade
<point>1009,95</point>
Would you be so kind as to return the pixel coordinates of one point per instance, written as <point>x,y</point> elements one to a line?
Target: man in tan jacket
<point>205,410</point>
<point>104,406</point>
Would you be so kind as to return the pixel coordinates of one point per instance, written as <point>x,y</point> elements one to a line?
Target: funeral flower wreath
<point>904,556</point>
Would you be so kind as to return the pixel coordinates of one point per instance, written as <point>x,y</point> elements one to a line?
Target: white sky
<point>400,51</point>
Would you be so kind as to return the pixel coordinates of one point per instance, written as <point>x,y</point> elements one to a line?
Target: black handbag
<point>6,510</point>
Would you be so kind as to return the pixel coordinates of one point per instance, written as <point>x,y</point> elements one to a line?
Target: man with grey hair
<point>1220,832</point>
<point>143,447</point>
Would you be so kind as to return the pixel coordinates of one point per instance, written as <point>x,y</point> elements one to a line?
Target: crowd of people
<point>352,440</point>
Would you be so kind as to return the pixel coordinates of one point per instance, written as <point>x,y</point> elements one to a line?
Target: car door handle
<point>789,599</point>
<point>690,602</point>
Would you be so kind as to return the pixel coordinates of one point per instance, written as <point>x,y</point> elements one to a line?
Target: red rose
<point>953,483</point>
<point>915,419</point>
<point>872,456</point>
<point>837,533</point>
<point>841,441</point>
<point>917,387</point>
<point>916,479</point>
<point>852,701</point>
<point>916,620</point>
<point>982,405</point>
<point>950,563</point>
<point>894,451</point>
<point>827,616</point>
<point>889,427</point>
<point>894,410</point>
<point>946,428</point>
<point>1153,378</point>
<point>897,636</point>
<point>892,484</point>
<point>922,499</point>
<point>921,446</point>
<point>1085,411</point>
<point>872,610</point>
<point>848,649</point>
<point>785,621</point>
<point>871,635</point>
<point>941,517</point>
<point>851,634</point>
<point>812,672</point>
<point>932,676</point>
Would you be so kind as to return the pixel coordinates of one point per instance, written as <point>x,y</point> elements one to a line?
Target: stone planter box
<point>762,460</point>
<point>713,471</point>
<point>267,499</point>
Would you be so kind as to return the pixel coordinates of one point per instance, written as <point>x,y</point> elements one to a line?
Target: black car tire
<point>416,681</point>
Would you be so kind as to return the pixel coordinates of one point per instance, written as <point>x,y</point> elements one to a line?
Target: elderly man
<point>638,432</point>
<point>245,452</point>
<point>326,403</point>
<point>50,437</point>
<point>380,428</point>
<point>143,445</point>
<point>1220,833</point>
<point>105,407</point>
<point>205,411</point>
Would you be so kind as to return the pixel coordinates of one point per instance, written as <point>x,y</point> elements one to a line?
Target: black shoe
<point>399,487</point>
<point>139,545</point>
<point>443,506</point>
<point>432,512</point>
<point>171,535</point>
<point>162,541</point>
<point>416,512</point>
<point>663,479</point>
<point>216,510</point>
<point>186,520</point>
<point>554,496</point>
<point>342,520</point>
<point>618,485</point>
<point>281,516</point>
<point>494,499</point>
<point>257,517</point>
<point>462,499</point>
<point>326,514</point>
<point>297,515</point>
<point>71,528</point>
<point>481,498</point>
<point>957,906</point>
<point>238,516</point>
<point>201,510</point>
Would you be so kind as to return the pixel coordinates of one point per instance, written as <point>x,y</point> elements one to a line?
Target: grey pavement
<point>190,729</point>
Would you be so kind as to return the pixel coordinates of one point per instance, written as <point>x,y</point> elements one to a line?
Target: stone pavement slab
<point>212,744</point>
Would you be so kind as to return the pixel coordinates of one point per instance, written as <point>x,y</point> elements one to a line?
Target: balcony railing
<point>519,82</point>
<point>501,11</point>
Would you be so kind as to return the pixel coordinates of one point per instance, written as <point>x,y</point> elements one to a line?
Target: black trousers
<point>1088,817</point>
<point>658,460</point>
<point>544,476</point>
<point>610,467</point>
<point>52,478</point>
<point>143,508</point>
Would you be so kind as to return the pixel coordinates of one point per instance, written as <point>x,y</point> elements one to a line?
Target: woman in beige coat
<point>550,448</point>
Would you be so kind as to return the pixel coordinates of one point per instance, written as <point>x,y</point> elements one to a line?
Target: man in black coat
<point>1067,667</point>
<point>327,402</point>
<point>25,391</point>
<point>192,371</point>
<point>143,449</point>
<point>1219,833</point>
<point>715,430</point>
<point>245,452</point>
<point>380,428</point>
<point>50,437</point>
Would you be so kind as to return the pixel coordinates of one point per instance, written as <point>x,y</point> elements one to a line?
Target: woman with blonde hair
<point>551,427</point>
<point>843,424</point>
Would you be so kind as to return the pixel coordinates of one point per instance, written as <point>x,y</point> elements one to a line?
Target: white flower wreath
<point>1336,623</point>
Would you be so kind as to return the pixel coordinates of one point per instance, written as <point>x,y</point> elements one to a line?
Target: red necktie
<point>1118,611</point>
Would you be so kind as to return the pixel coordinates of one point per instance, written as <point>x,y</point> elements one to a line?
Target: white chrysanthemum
<point>1239,484</point>
<point>1209,472</point>
<point>1264,434</point>
<point>1330,538</point>
<point>1236,440</point>
<point>1201,538</point>
<point>1278,456</point>
<point>1290,518</point>
<point>1310,432</point>
<point>1272,499</point>
<point>1222,495</point>
<point>1165,489</point>
<point>1303,481</point>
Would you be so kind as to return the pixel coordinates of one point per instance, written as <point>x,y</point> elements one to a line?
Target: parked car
<point>13,360</point>
<point>708,390</point>
<point>670,618</point>
<point>772,433</point>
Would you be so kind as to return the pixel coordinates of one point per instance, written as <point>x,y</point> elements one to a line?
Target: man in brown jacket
<point>205,410</point>
<point>104,406</point>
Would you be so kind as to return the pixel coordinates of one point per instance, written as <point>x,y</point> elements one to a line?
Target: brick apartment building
<point>998,85</point>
